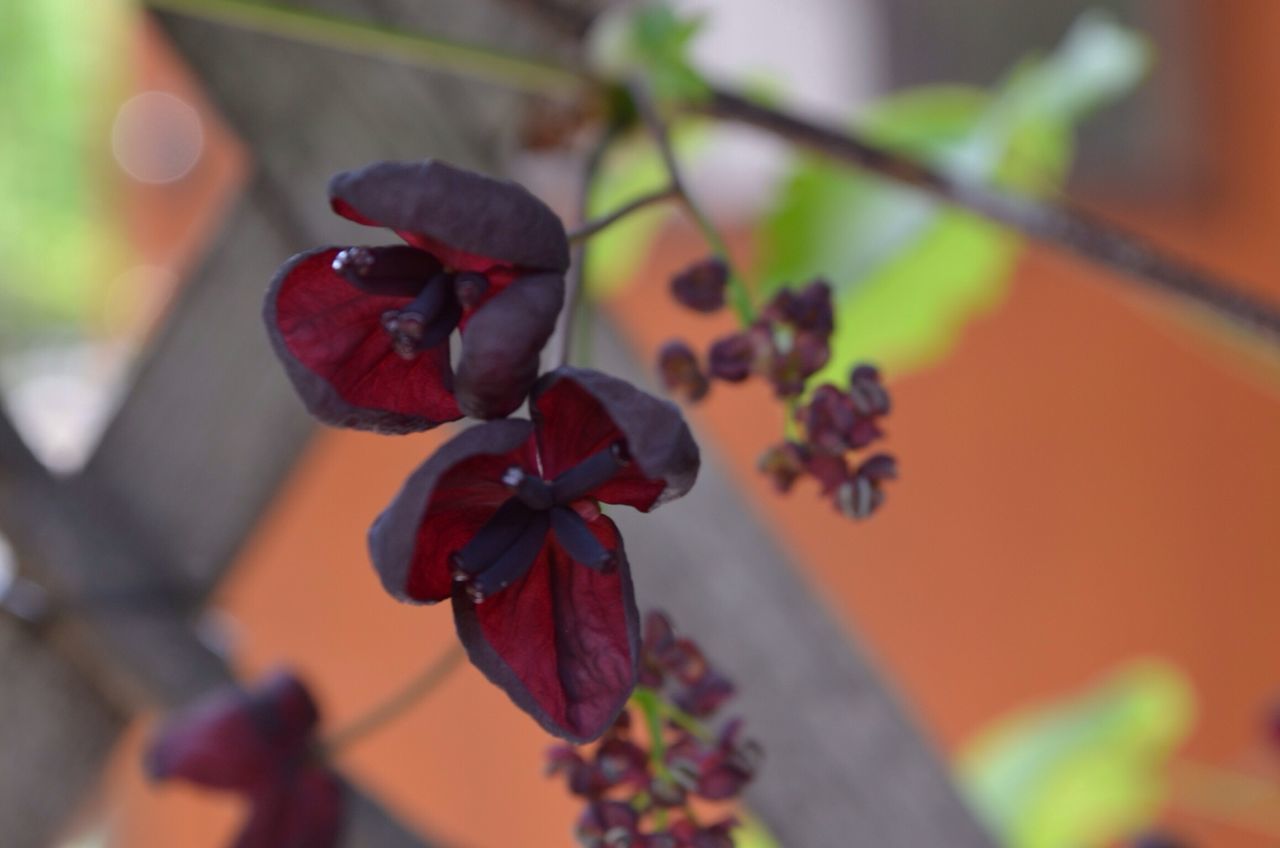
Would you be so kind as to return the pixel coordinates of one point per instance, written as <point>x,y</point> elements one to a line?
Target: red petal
<point>562,642</point>
<point>442,505</point>
<point>304,810</point>
<point>579,412</point>
<point>329,335</point>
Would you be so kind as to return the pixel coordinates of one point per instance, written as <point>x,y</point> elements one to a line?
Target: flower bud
<point>680,372</point>
<point>701,286</point>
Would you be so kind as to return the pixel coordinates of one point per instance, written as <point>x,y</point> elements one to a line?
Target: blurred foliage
<point>1084,771</point>
<point>651,40</point>
<point>60,227</point>
<point>632,169</point>
<point>752,834</point>
<point>909,273</point>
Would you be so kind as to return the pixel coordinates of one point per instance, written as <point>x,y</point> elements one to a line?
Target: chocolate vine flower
<point>505,521</point>
<point>258,743</point>
<point>363,332</point>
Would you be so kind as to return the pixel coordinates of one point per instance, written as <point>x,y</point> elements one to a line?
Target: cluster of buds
<point>660,758</point>
<point>834,424</point>
<point>787,344</point>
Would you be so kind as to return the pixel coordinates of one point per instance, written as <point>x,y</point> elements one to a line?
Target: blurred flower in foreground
<point>259,743</point>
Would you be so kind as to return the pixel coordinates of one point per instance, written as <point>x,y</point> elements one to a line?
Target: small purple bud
<point>701,286</point>
<point>783,464</point>
<point>680,372</point>
<point>733,358</point>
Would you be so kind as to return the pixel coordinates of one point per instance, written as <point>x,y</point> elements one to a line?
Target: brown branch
<point>1065,227</point>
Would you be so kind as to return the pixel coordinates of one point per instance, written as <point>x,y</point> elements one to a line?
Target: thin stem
<point>416,689</point>
<point>739,294</point>
<point>562,343</point>
<point>591,228</point>
<point>1068,228</point>
<point>521,72</point>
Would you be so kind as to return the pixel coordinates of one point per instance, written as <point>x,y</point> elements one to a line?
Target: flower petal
<point>304,810</point>
<point>235,738</point>
<point>470,221</point>
<point>502,343</point>
<point>563,642</point>
<point>329,335</point>
<point>579,411</point>
<point>441,507</point>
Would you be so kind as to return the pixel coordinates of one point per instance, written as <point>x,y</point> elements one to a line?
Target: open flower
<point>364,331</point>
<point>505,521</point>
<point>258,743</point>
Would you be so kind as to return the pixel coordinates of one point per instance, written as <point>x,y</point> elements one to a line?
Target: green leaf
<point>60,236</point>
<point>910,274</point>
<point>653,40</point>
<point>1084,771</point>
<point>752,834</point>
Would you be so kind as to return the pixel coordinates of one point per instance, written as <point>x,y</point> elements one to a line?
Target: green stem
<point>739,294</point>
<point>520,72</point>
<point>417,688</point>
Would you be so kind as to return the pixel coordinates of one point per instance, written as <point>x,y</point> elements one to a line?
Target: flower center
<point>509,543</point>
<point>439,295</point>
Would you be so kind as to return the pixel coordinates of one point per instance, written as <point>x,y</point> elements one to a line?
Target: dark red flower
<point>258,743</point>
<point>862,493</point>
<point>716,770</point>
<point>609,824</point>
<point>364,331</point>
<point>504,520</point>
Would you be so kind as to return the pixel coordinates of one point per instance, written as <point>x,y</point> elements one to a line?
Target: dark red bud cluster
<point>834,423</point>
<point>787,344</point>
<point>638,788</point>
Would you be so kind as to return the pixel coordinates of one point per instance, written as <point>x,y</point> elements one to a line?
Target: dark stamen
<point>533,490</point>
<point>590,474</point>
<point>392,271</point>
<point>579,542</point>
<point>408,327</point>
<point>470,288</point>
<point>492,540</point>
<point>513,564</point>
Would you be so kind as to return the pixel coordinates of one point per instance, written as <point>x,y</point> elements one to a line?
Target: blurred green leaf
<point>752,834</point>
<point>653,40</point>
<point>632,170</point>
<point>59,229</point>
<point>908,273</point>
<point>1084,771</point>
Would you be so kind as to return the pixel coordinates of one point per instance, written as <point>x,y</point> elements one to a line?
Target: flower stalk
<point>414,691</point>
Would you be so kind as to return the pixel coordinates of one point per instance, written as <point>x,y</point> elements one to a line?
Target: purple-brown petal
<point>441,507</point>
<point>501,346</point>
<point>236,738</point>
<point>455,212</point>
<point>562,642</point>
<point>578,412</point>
<point>305,809</point>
